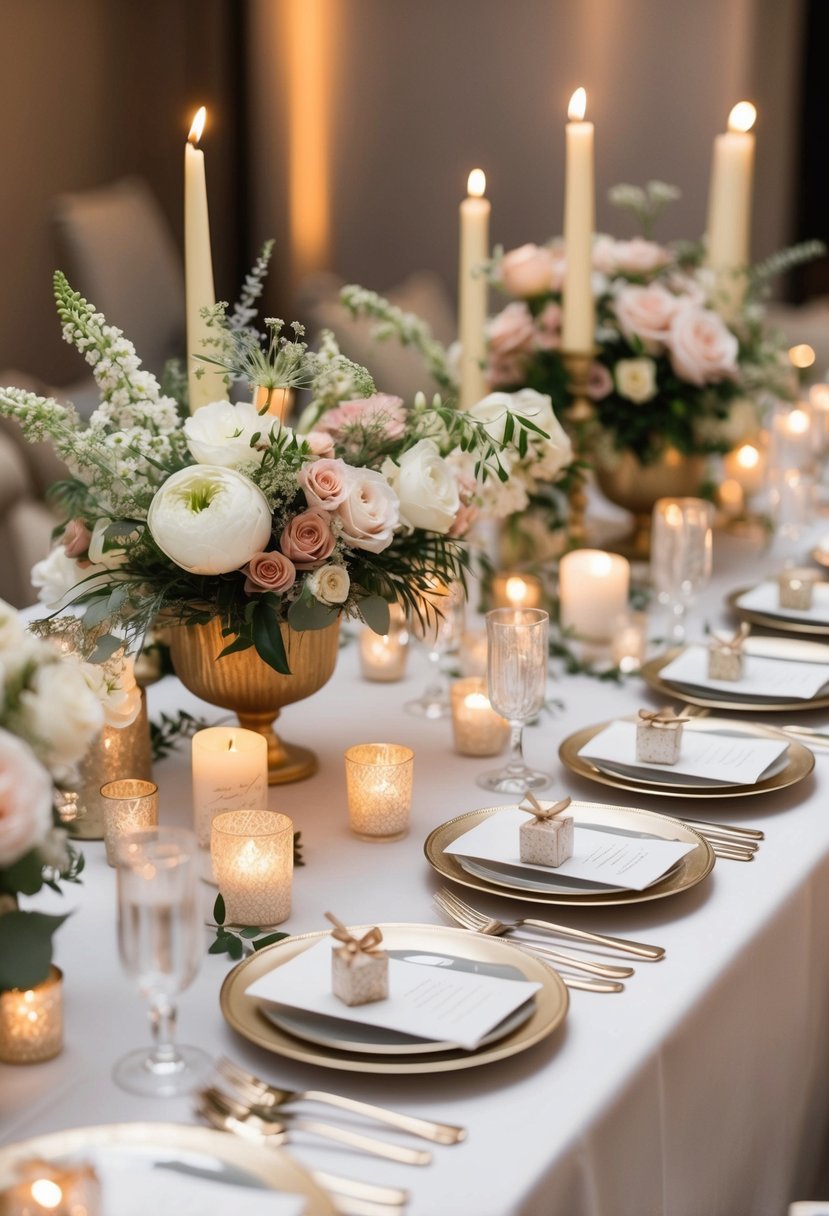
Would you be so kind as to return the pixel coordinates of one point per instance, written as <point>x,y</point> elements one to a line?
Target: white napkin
<point>765,597</point>
<point>778,679</point>
<point>129,1190</point>
<point>706,755</point>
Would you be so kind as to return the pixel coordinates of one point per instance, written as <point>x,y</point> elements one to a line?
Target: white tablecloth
<point>703,1088</point>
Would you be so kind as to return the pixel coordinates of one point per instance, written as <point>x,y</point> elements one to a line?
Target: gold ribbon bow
<point>544,813</point>
<point>667,718</point>
<point>352,948</point>
<point>735,643</point>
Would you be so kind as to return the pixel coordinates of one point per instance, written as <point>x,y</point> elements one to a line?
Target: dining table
<point>702,1089</point>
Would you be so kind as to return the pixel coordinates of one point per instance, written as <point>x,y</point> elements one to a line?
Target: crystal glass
<point>681,548</point>
<point>439,631</point>
<point>161,942</point>
<point>517,678</point>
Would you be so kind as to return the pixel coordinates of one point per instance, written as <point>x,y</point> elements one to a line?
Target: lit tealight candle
<point>379,783</point>
<point>791,439</point>
<point>746,465</point>
<point>476,728</point>
<point>54,1189</point>
<point>730,497</point>
<point>383,656</point>
<point>253,864</point>
<point>629,642</point>
<point>516,591</point>
<point>31,1021</point>
<point>593,592</point>
<point>230,772</point>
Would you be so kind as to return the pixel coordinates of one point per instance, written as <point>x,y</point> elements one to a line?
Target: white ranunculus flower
<point>426,486</point>
<point>636,379</point>
<point>209,519</point>
<point>58,578</point>
<point>220,433</point>
<point>61,714</point>
<point>25,799</point>
<point>329,584</point>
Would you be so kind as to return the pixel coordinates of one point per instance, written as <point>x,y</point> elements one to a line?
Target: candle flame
<point>742,117</point>
<point>197,129</point>
<point>516,590</point>
<point>46,1192</point>
<point>231,744</point>
<point>601,564</point>
<point>798,422</point>
<point>476,700</point>
<point>476,183</point>
<point>748,457</point>
<point>577,108</point>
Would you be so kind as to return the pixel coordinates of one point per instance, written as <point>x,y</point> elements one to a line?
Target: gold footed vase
<point>255,692</point>
<point>635,486</point>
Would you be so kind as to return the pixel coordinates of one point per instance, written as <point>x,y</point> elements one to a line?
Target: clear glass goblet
<point>518,654</point>
<point>681,550</point>
<point>161,942</point>
<point>439,631</point>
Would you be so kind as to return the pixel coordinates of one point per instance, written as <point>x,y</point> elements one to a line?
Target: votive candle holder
<point>476,728</point>
<point>383,656</point>
<point>379,782</point>
<point>630,640</point>
<point>46,1187</point>
<point>130,805</point>
<point>230,773</point>
<point>253,865</point>
<point>516,590</point>
<point>31,1021</point>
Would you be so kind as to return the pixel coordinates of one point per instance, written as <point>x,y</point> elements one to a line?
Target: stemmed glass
<point>518,653</point>
<point>439,630</point>
<point>681,547</point>
<point>161,941</point>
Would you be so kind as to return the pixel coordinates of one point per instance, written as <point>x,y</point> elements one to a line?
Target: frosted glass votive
<point>379,783</point>
<point>130,805</point>
<point>383,656</point>
<point>476,728</point>
<point>253,865</point>
<point>31,1021</point>
<point>47,1187</point>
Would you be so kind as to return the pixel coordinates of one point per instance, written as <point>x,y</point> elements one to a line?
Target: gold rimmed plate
<point>798,764</point>
<point>195,1152</point>
<point>246,1015</point>
<point>651,673</point>
<point>774,620</point>
<point>689,870</point>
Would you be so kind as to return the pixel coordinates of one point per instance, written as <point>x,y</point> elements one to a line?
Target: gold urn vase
<point>635,486</point>
<point>255,692</point>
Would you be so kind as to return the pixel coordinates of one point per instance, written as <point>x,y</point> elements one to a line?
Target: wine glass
<point>681,547</point>
<point>160,941</point>
<point>518,641</point>
<point>438,629</point>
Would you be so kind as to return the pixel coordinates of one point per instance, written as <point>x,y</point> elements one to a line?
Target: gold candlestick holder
<point>579,416</point>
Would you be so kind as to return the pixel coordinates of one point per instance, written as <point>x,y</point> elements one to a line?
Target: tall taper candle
<point>579,319</point>
<point>198,271</point>
<point>472,289</point>
<point>729,204</point>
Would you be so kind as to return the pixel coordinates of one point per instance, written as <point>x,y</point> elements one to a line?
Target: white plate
<point>646,776</point>
<point>507,876</point>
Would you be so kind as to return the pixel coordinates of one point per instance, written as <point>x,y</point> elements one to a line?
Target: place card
<point>428,1002</point>
<point>599,855</point>
<point>707,755</point>
<point>775,678</point>
<point>132,1191</point>
<point>765,597</point>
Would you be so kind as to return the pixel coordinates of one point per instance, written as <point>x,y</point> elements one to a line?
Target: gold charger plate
<point>244,1162</point>
<point>801,761</point>
<point>243,1015</point>
<point>769,620</point>
<point>690,870</point>
<point>650,673</point>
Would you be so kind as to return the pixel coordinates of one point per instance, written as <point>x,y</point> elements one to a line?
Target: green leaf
<point>307,614</point>
<point>25,877</point>
<point>235,948</point>
<point>269,939</point>
<point>267,638</point>
<point>97,613</point>
<point>26,948</point>
<point>241,643</point>
<point>250,931</point>
<point>220,946</point>
<point>219,909</point>
<point>375,612</point>
<point>105,648</point>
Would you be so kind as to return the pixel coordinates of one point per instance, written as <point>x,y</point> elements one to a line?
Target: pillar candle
<point>578,322</point>
<point>729,204</point>
<point>593,592</point>
<point>230,771</point>
<point>472,289</point>
<point>198,272</point>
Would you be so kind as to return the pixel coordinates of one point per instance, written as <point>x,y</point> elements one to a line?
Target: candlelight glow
<point>602,564</point>
<point>819,396</point>
<point>798,422</point>
<point>476,700</point>
<point>516,590</point>
<point>748,456</point>
<point>476,183</point>
<point>197,129</point>
<point>577,108</point>
<point>46,1192</point>
<point>802,355</point>
<point>742,117</point>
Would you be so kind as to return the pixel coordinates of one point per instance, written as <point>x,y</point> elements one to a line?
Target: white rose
<point>554,452</point>
<point>370,513</point>
<point>220,433</point>
<point>329,584</point>
<point>108,554</point>
<point>209,520</point>
<point>61,715</point>
<point>426,486</point>
<point>58,579</point>
<point>25,799</point>
<point>636,379</point>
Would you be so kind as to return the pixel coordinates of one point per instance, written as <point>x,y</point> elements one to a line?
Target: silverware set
<point>729,842</point>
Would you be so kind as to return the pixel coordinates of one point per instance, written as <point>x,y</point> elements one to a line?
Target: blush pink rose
<point>702,348</point>
<point>269,572</point>
<point>599,382</point>
<point>307,539</point>
<point>325,483</point>
<point>76,538</point>
<point>381,411</point>
<point>639,256</point>
<point>548,327</point>
<point>319,443</point>
<point>527,271</point>
<point>505,371</point>
<point>646,313</point>
<point>370,513</point>
<point>512,331</point>
<point>25,799</point>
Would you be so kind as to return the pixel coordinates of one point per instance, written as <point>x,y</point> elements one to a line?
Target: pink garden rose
<point>646,313</point>
<point>512,331</point>
<point>269,572</point>
<point>76,538</point>
<point>528,271</point>
<point>599,382</point>
<point>370,513</point>
<point>325,483</point>
<point>307,539</point>
<point>548,327</point>
<point>383,411</point>
<point>639,256</point>
<point>320,443</point>
<point>25,799</point>
<point>702,348</point>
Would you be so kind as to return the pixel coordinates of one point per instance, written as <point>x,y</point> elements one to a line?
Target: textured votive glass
<point>56,1189</point>
<point>31,1021</point>
<point>379,782</point>
<point>116,752</point>
<point>253,865</point>
<point>383,656</point>
<point>130,805</point>
<point>476,728</point>
<point>230,773</point>
<point>515,590</point>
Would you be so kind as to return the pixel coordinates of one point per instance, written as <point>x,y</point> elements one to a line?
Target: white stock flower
<point>61,714</point>
<point>25,799</point>
<point>220,433</point>
<point>329,584</point>
<point>426,487</point>
<point>209,519</point>
<point>636,379</point>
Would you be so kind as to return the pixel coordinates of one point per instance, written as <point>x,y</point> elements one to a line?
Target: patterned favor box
<point>725,655</point>
<point>547,839</point>
<point>359,968</point>
<point>658,736</point>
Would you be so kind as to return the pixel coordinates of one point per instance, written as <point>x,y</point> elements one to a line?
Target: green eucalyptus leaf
<point>375,612</point>
<point>24,877</point>
<point>250,931</point>
<point>219,909</point>
<point>307,614</point>
<point>105,648</point>
<point>26,948</point>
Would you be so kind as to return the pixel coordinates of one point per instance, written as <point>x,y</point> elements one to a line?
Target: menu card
<point>706,755</point>
<point>128,1190</point>
<point>765,597</point>
<point>780,679</point>
<point>598,854</point>
<point>428,1002</point>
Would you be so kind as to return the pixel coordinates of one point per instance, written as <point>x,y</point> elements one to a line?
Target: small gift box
<point>658,736</point>
<point>796,588</point>
<point>725,655</point>
<point>546,839</point>
<point>359,969</point>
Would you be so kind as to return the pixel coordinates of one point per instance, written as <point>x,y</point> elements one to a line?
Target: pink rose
<point>269,572</point>
<point>703,349</point>
<point>307,539</point>
<point>382,411</point>
<point>76,538</point>
<point>325,483</point>
<point>512,331</point>
<point>548,327</point>
<point>646,313</point>
<point>599,382</point>
<point>527,271</point>
<point>505,371</point>
<point>25,799</point>
<point>319,443</point>
<point>370,513</point>
<point>639,256</point>
<point>604,254</point>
